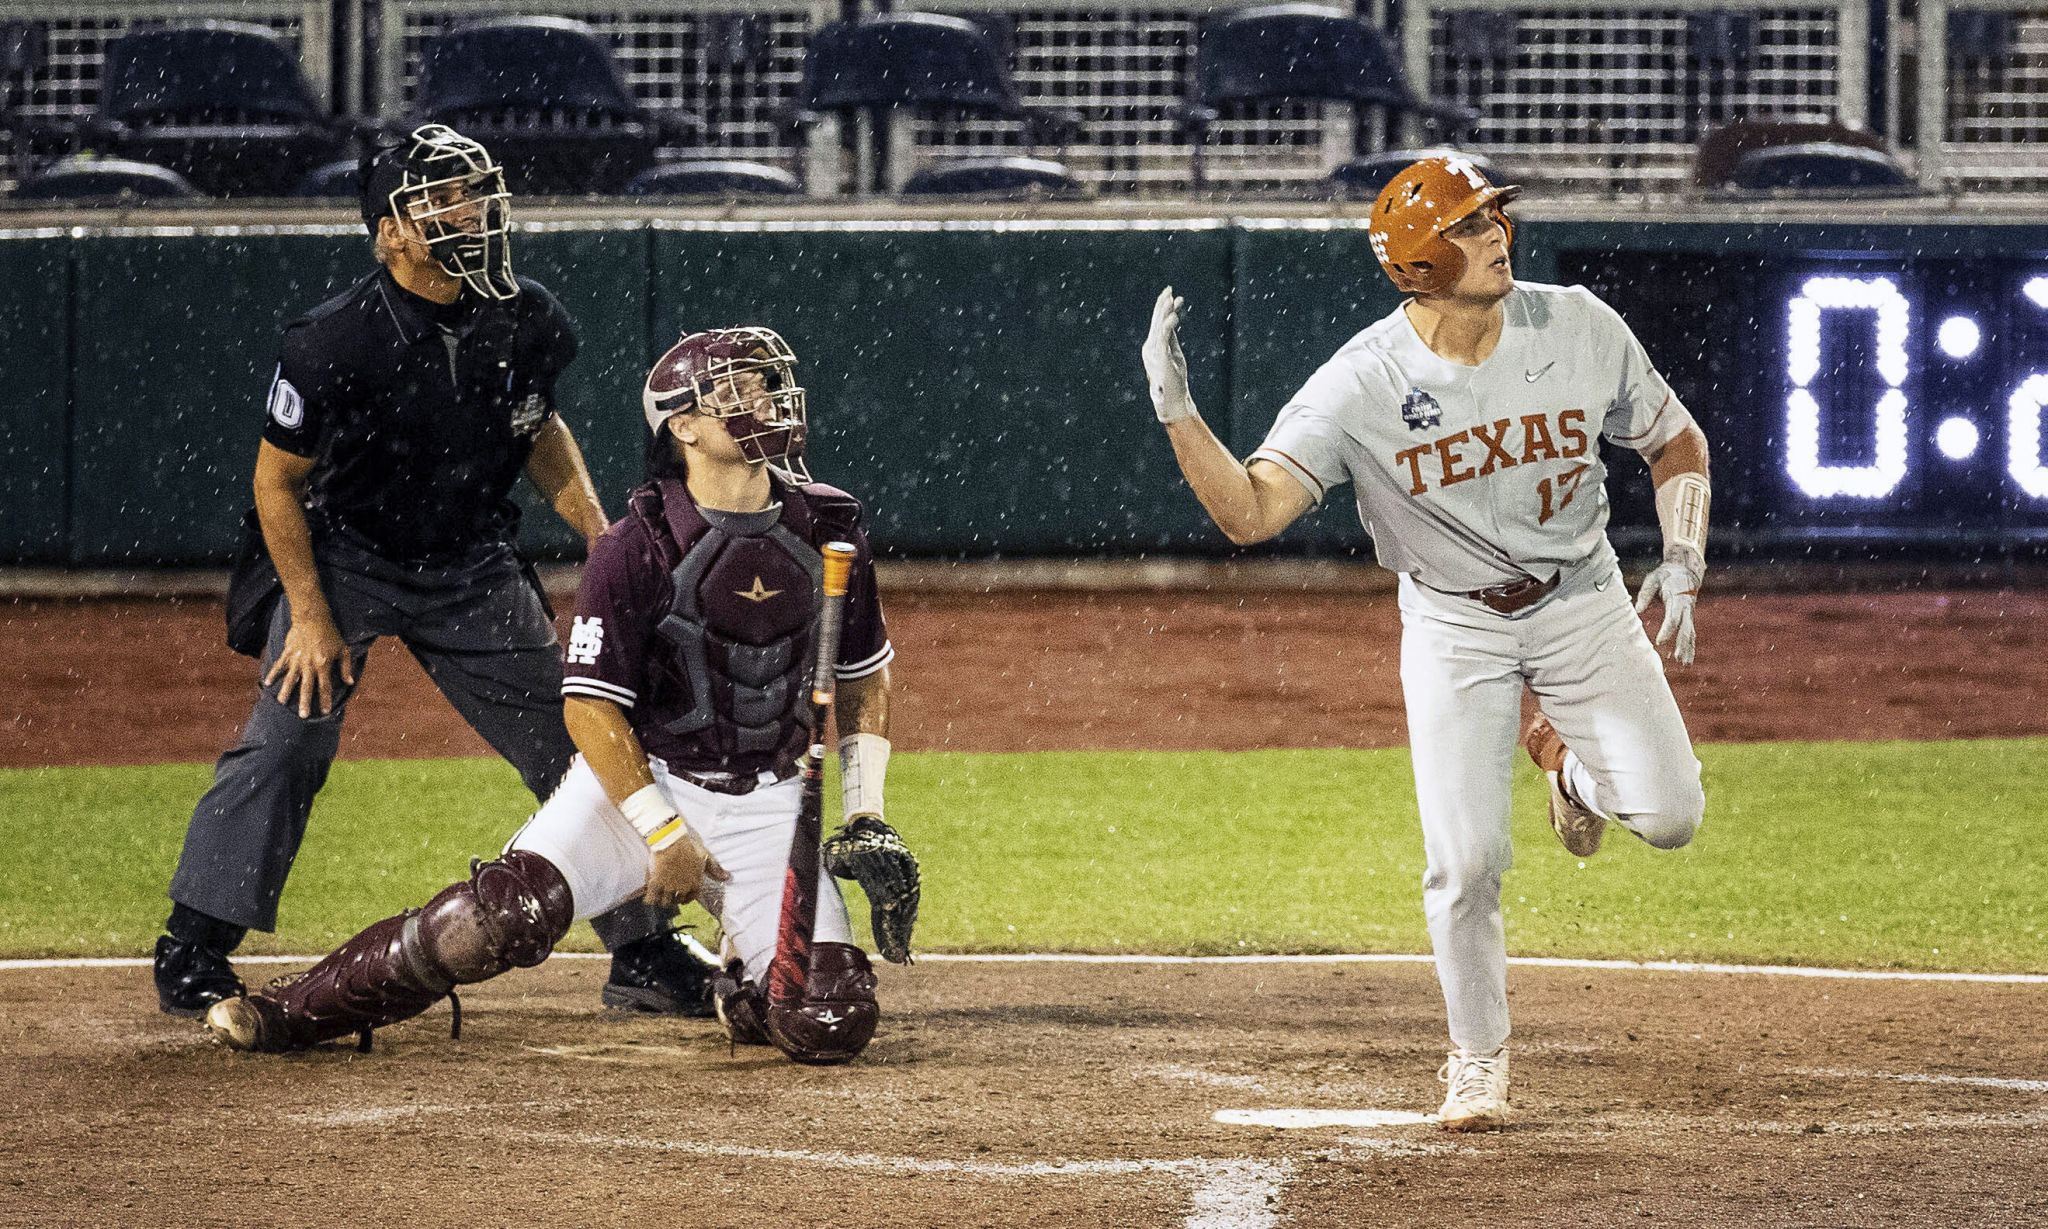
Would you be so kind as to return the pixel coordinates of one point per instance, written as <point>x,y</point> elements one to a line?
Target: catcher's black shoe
<point>666,974</point>
<point>191,977</point>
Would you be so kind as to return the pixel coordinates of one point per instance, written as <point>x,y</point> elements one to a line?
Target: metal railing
<point>1614,97</point>
<point>62,85</point>
<point>1607,98</point>
<point>737,67</point>
<point>1982,78</point>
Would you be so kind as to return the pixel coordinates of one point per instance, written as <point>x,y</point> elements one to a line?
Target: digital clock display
<point>1888,399</point>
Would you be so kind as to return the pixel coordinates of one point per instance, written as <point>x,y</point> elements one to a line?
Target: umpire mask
<point>448,187</point>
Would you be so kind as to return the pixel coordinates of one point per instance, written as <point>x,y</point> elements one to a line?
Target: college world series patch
<point>1420,411</point>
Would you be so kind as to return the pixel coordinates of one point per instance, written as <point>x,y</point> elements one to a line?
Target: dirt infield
<point>148,682</point>
<point>1048,1096</point>
<point>1061,1095</point>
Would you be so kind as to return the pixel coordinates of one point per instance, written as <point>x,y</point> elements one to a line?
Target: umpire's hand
<point>679,872</point>
<point>313,652</point>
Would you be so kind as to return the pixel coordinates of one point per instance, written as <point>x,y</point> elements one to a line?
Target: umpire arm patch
<point>287,408</point>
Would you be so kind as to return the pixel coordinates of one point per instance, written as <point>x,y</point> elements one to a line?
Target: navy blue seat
<point>1364,177</point>
<point>338,178</point>
<point>223,103</point>
<point>887,61</point>
<point>545,96</point>
<point>1008,178</point>
<point>1832,157</point>
<point>1820,166</point>
<point>82,178</point>
<point>720,177</point>
<point>1279,52</point>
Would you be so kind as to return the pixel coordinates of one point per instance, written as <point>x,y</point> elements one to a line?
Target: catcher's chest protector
<point>740,628</point>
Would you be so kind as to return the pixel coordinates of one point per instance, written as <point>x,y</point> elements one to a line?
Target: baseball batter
<point>683,688</point>
<point>1468,423</point>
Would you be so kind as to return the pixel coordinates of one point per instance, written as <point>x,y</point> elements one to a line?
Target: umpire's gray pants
<point>480,632</point>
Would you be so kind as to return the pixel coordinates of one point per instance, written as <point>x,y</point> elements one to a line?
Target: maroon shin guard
<point>509,914</point>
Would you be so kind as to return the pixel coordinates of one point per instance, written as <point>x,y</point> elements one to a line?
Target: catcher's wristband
<point>654,818</point>
<point>863,765</point>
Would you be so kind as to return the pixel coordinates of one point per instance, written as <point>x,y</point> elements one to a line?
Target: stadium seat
<point>224,104</point>
<point>885,62</point>
<point>87,178</point>
<point>1281,52</point>
<point>331,179</point>
<point>1820,166</point>
<point>717,177</point>
<point>1364,177</point>
<point>1009,178</point>
<point>545,96</point>
<point>1832,156</point>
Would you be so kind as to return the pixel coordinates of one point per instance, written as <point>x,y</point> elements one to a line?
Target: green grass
<point>1916,855</point>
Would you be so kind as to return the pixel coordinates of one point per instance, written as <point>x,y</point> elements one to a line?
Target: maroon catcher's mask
<point>701,374</point>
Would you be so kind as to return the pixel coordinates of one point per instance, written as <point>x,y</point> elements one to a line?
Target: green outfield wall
<point>978,383</point>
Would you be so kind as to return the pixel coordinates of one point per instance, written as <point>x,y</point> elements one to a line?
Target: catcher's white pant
<point>1595,673</point>
<point>606,862</point>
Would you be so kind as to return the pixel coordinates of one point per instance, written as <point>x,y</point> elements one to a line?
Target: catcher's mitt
<point>870,853</point>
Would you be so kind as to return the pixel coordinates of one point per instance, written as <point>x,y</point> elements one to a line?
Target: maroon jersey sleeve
<point>620,602</point>
<point>863,637</point>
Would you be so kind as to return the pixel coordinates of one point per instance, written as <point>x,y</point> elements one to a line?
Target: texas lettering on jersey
<point>1481,450</point>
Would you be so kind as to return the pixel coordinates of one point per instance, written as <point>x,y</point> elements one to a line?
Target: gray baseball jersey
<point>1468,477</point>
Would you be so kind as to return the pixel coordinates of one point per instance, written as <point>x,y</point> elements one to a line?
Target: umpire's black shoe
<point>663,974</point>
<point>191,977</point>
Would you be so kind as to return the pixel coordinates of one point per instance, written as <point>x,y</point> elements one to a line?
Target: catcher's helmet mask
<point>1418,206</point>
<point>701,374</point>
<point>453,193</point>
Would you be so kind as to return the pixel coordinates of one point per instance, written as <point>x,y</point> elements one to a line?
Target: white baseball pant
<point>1583,652</point>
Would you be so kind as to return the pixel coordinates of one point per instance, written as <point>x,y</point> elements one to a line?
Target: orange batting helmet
<point>1414,210</point>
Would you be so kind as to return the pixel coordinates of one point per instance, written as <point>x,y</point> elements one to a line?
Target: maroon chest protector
<point>738,638</point>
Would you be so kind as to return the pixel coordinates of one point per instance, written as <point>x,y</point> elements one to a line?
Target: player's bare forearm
<point>280,489</point>
<point>862,705</point>
<point>1249,503</point>
<point>557,470</point>
<point>601,732</point>
<point>1686,453</point>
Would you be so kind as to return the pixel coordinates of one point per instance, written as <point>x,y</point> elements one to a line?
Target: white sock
<point>1579,784</point>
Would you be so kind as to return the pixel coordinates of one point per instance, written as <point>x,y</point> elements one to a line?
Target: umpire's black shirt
<point>419,416</point>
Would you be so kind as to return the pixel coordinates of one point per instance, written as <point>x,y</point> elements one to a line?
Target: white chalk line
<point>1314,1119</point>
<point>1228,1193</point>
<point>1912,1077</point>
<point>1534,962</point>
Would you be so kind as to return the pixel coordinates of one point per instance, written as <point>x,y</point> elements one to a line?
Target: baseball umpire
<point>400,416</point>
<point>1469,422</point>
<point>696,633</point>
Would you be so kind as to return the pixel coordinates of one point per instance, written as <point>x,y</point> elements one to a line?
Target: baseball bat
<point>789,972</point>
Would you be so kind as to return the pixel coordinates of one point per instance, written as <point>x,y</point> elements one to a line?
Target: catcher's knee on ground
<point>833,1022</point>
<point>508,914</point>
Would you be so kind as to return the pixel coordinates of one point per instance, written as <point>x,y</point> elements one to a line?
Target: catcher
<point>685,681</point>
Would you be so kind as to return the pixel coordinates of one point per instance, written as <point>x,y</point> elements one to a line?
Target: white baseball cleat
<point>1578,827</point>
<point>1475,1091</point>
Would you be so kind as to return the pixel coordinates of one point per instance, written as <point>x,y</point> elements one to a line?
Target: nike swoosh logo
<point>1533,376</point>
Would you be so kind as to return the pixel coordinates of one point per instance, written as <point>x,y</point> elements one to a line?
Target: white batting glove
<point>1676,583</point>
<point>1166,368</point>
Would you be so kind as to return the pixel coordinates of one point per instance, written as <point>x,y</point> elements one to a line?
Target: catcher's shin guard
<point>509,914</point>
<point>836,1017</point>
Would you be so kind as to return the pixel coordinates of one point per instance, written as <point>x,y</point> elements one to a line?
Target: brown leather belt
<point>1515,595</point>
